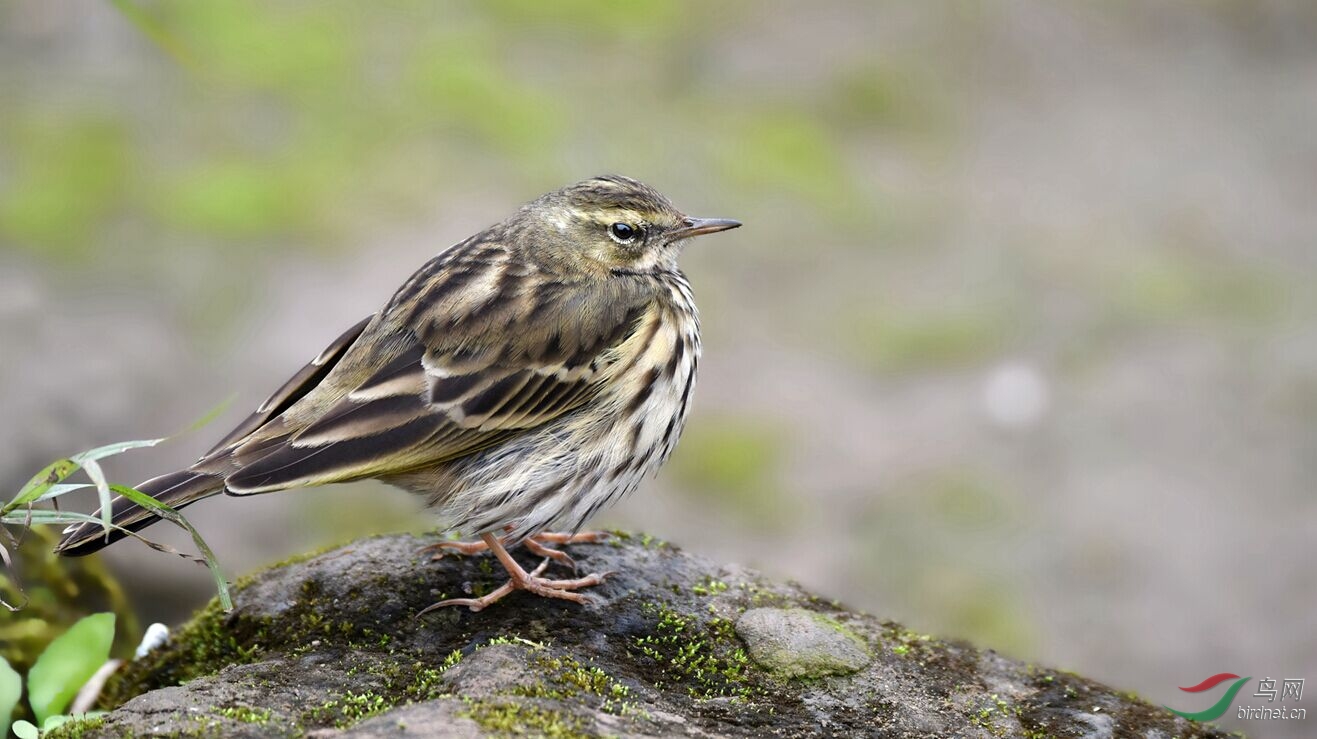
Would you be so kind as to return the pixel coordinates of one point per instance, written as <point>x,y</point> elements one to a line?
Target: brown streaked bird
<point>520,381</point>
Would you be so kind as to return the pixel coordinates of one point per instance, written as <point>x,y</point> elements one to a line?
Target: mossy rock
<point>332,646</point>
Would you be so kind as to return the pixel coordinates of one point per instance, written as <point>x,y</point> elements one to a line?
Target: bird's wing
<point>466,355</point>
<point>296,388</point>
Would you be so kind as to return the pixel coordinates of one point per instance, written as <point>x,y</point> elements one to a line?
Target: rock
<point>331,646</point>
<point>794,642</point>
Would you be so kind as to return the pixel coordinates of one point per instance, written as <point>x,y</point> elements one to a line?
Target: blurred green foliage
<point>64,667</point>
<point>1165,285</point>
<point>67,663</point>
<point>914,341</point>
<point>70,173</point>
<point>57,593</point>
<point>736,463</point>
<point>934,543</point>
<point>789,152</point>
<point>293,122</point>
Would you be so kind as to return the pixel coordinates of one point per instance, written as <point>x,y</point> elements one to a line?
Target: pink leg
<point>534,544</point>
<point>522,580</point>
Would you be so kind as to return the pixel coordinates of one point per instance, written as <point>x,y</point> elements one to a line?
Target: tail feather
<point>176,490</point>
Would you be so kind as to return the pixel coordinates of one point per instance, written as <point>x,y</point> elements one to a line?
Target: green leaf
<point>165,512</point>
<point>25,730</point>
<point>45,484</point>
<point>68,663</point>
<point>109,450</point>
<point>11,689</point>
<point>93,470</point>
<point>61,489</point>
<point>41,482</point>
<point>53,518</point>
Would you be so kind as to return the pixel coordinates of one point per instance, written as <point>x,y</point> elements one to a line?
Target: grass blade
<point>57,490</point>
<point>109,450</point>
<point>97,475</point>
<point>41,483</point>
<point>165,512</point>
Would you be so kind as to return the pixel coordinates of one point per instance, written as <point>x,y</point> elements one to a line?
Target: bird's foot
<point>535,545</point>
<point>529,581</point>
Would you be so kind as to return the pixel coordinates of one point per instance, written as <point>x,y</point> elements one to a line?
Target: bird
<point>520,381</point>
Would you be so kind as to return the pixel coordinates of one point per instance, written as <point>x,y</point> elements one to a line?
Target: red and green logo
<point>1218,708</point>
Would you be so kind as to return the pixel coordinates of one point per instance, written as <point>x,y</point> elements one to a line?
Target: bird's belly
<point>560,475</point>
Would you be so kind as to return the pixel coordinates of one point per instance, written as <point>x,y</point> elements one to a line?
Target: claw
<point>522,580</point>
<point>557,555</point>
<point>440,548</point>
<point>535,544</point>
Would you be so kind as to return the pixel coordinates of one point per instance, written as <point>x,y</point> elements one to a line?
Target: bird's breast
<point>648,396</point>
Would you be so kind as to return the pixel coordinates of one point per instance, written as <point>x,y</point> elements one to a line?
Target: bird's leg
<point>585,537</point>
<point>557,555</point>
<point>522,580</point>
<point>535,544</point>
<point>461,547</point>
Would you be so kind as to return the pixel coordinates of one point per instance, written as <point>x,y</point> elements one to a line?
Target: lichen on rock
<point>331,646</point>
<point>796,643</point>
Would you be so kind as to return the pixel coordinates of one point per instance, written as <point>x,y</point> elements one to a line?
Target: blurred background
<point>1019,342</point>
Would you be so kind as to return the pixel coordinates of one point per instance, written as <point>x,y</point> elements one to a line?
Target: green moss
<point>709,586</point>
<point>347,710</point>
<point>704,656</point>
<point>402,679</point>
<point>997,718</point>
<point>762,597</point>
<point>247,714</point>
<point>505,717</point>
<point>213,639</point>
<point>567,678</point>
<point>907,642</point>
<point>452,659</point>
<point>76,728</point>
<point>202,647</point>
<point>513,640</point>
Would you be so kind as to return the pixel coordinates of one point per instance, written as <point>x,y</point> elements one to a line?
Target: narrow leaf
<point>109,450</point>
<point>41,482</point>
<point>11,689</point>
<point>97,475</point>
<point>69,517</point>
<point>68,662</point>
<point>63,488</point>
<point>164,511</point>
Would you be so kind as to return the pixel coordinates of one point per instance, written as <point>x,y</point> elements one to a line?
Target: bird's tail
<point>176,490</point>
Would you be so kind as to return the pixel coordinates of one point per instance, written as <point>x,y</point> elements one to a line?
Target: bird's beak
<point>700,226</point>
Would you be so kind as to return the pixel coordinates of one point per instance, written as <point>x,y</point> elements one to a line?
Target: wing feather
<point>297,386</point>
<point>467,372</point>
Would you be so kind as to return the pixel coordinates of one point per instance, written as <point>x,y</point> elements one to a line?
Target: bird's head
<point>611,224</point>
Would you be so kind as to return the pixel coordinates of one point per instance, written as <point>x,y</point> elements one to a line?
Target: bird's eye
<point>623,233</point>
